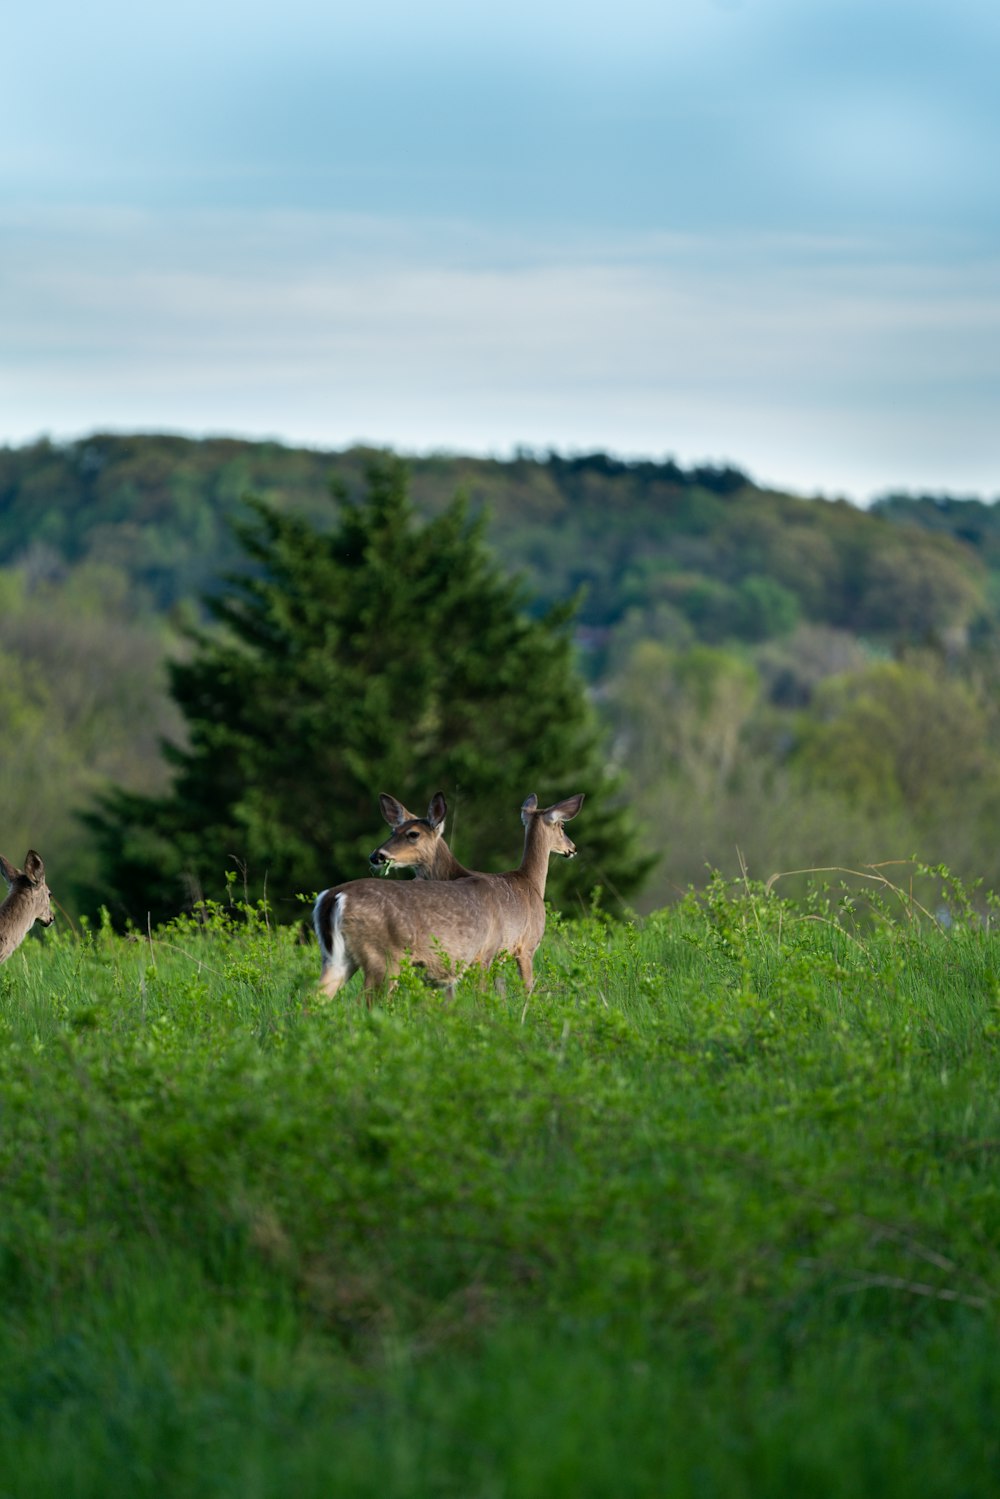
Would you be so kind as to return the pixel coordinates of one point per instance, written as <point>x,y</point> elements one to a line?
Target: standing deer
<point>27,902</point>
<point>445,925</point>
<point>417,842</point>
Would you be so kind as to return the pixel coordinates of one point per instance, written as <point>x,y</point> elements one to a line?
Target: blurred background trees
<point>83,704</point>
<point>385,654</point>
<point>799,680</point>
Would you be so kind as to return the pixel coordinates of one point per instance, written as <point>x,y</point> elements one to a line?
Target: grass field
<point>716,1213</point>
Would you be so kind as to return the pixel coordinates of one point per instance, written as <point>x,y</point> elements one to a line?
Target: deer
<point>417,842</point>
<point>27,901</point>
<point>446,926</point>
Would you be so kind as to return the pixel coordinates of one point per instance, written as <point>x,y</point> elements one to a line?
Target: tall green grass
<point>715,1212</point>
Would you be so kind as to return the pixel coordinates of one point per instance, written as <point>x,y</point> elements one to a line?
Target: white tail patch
<point>328,923</point>
<point>338,957</point>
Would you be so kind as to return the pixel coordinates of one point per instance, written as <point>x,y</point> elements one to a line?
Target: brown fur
<point>446,926</point>
<point>417,843</point>
<point>27,901</point>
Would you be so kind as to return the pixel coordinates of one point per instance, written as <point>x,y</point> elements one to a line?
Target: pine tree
<point>386,654</point>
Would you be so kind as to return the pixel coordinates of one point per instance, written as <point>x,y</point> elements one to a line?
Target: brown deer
<point>417,842</point>
<point>446,926</point>
<point>27,901</point>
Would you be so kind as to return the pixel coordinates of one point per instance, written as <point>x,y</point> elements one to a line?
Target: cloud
<point>819,364</point>
<point>757,230</point>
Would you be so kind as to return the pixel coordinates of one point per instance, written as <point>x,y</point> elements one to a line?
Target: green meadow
<point>715,1212</point>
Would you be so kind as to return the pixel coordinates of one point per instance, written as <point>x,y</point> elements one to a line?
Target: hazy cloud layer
<point>740,229</point>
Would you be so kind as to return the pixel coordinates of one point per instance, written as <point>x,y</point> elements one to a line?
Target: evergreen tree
<point>383,655</point>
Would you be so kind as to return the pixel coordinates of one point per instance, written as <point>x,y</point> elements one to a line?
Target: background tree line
<point>798,679</point>
<point>704,547</point>
<point>384,652</point>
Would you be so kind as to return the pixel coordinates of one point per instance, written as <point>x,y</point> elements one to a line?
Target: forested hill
<point>800,680</point>
<point>701,552</point>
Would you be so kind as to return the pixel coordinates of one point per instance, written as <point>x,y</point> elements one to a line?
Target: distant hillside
<point>784,682</point>
<point>703,550</point>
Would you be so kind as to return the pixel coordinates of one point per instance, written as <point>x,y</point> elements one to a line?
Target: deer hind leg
<point>333,978</point>
<point>525,969</point>
<point>377,980</point>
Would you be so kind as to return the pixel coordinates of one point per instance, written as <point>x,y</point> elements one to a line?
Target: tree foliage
<point>379,654</point>
<point>112,540</point>
<point>899,735</point>
<point>82,703</point>
<point>741,562</point>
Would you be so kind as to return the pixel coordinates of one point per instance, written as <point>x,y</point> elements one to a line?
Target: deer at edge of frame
<point>446,926</point>
<point>27,901</point>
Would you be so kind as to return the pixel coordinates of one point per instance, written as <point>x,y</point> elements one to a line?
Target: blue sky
<point>749,230</point>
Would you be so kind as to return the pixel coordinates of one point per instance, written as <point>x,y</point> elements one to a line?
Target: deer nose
<point>377,857</point>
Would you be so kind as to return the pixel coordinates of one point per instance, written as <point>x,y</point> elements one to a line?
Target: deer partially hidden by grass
<point>445,926</point>
<point>417,843</point>
<point>27,901</point>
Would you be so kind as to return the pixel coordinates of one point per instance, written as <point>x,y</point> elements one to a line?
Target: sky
<point>763,232</point>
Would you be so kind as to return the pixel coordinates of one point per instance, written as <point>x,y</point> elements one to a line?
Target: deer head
<point>547,823</point>
<point>28,901</point>
<point>415,842</point>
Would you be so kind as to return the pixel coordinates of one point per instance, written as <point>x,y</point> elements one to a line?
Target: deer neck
<point>446,866</point>
<point>534,868</point>
<point>15,919</point>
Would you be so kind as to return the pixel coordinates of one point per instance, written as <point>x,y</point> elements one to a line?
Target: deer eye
<point>413,835</point>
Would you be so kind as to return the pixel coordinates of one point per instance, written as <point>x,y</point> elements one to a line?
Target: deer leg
<point>524,968</point>
<point>334,976</point>
<point>377,979</point>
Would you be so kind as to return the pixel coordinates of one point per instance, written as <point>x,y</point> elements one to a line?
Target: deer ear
<point>528,806</point>
<point>33,866</point>
<point>437,811</point>
<point>8,871</point>
<point>563,811</point>
<point>393,811</point>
